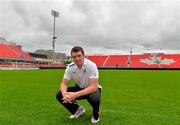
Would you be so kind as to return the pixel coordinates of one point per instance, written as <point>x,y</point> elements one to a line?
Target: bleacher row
<point>138,61</point>
<point>13,52</point>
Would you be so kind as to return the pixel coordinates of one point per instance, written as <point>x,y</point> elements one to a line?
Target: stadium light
<point>55,14</point>
<point>129,58</point>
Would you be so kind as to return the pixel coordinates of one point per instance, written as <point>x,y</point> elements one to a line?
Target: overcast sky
<point>100,26</point>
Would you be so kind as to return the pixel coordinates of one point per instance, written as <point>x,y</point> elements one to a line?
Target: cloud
<point>110,26</point>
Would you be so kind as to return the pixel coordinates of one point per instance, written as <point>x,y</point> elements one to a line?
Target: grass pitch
<point>129,97</point>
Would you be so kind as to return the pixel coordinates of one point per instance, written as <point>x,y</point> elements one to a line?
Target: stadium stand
<point>11,51</point>
<point>116,61</point>
<point>98,59</point>
<point>138,61</point>
<point>12,56</point>
<point>20,53</point>
<point>7,53</point>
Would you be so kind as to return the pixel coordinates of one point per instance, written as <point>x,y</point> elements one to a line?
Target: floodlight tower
<point>55,14</point>
<point>129,59</point>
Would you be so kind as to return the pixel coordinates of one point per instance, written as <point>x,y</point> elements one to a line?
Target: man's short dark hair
<point>76,49</point>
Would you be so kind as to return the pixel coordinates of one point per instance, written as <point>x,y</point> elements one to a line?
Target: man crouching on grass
<point>85,74</point>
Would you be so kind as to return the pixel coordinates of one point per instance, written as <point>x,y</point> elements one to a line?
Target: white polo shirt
<point>81,76</point>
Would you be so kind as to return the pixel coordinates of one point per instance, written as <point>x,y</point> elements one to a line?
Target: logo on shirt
<point>84,69</point>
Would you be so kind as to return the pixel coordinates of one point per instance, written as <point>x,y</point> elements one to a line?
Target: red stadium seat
<point>13,52</point>
<point>138,61</point>
<point>99,60</point>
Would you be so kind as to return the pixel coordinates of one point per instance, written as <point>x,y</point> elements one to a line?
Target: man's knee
<point>59,96</point>
<point>94,99</point>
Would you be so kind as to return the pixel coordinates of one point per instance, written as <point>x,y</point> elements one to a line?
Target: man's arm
<point>63,87</point>
<point>90,89</point>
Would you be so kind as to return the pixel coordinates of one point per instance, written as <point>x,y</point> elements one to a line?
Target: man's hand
<point>69,97</point>
<point>66,98</point>
<point>72,95</point>
<point>65,94</point>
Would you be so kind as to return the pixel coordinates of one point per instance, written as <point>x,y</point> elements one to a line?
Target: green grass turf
<point>129,97</point>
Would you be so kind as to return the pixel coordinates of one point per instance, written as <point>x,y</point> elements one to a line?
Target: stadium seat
<point>13,52</point>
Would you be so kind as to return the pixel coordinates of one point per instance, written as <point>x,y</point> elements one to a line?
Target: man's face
<point>78,58</point>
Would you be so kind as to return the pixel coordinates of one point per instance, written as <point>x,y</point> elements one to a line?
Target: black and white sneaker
<point>81,110</point>
<point>93,120</point>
